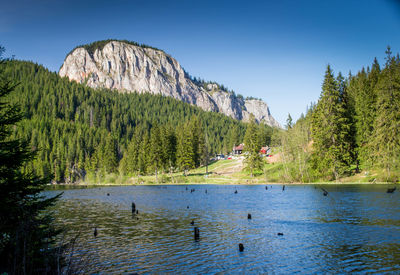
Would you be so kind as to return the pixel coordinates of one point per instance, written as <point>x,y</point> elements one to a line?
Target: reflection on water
<point>356,228</point>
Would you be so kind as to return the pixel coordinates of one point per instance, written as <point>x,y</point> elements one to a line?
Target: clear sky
<point>274,50</point>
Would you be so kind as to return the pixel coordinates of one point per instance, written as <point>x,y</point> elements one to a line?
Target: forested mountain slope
<point>69,123</point>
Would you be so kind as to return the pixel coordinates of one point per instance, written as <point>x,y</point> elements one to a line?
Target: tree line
<point>354,126</point>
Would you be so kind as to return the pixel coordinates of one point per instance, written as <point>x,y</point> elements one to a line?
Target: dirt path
<point>229,168</point>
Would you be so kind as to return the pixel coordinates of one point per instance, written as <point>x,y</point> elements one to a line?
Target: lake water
<point>355,228</point>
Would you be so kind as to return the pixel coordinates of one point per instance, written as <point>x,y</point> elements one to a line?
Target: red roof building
<point>238,149</point>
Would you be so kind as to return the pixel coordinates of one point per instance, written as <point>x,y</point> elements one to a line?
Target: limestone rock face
<point>130,68</point>
<point>260,111</point>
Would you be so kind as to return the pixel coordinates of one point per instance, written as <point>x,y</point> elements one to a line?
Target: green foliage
<point>330,130</point>
<point>129,164</point>
<point>26,235</point>
<point>295,154</point>
<point>355,124</point>
<point>386,133</point>
<point>233,139</point>
<point>186,148</point>
<point>73,125</point>
<point>289,122</point>
<point>156,152</point>
<point>252,146</point>
<point>363,97</point>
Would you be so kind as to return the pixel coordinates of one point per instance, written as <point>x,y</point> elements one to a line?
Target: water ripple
<point>353,230</point>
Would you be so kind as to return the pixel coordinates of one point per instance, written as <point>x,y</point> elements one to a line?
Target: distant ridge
<point>99,45</point>
<point>132,67</point>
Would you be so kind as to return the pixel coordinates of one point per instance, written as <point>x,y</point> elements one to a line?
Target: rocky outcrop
<point>260,110</point>
<point>128,67</point>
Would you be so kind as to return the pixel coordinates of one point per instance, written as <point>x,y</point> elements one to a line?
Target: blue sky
<point>274,50</point>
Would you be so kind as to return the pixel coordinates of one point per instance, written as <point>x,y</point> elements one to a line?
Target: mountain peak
<point>131,67</point>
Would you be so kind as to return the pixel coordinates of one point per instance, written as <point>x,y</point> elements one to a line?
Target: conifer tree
<point>289,122</point>
<point>363,95</point>
<point>252,147</point>
<point>348,127</point>
<point>185,153</point>
<point>234,137</point>
<point>129,162</point>
<point>156,150</point>
<point>143,159</point>
<point>170,147</point>
<point>26,235</point>
<point>330,130</point>
<point>386,135</point>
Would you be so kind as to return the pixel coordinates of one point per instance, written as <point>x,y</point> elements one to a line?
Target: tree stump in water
<point>196,233</point>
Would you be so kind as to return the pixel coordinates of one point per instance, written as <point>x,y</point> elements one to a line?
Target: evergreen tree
<point>110,155</point>
<point>185,153</point>
<point>363,95</point>
<point>348,127</point>
<point>197,141</point>
<point>130,161</point>
<point>330,130</point>
<point>233,138</point>
<point>386,135</point>
<point>156,155</point>
<point>169,145</point>
<point>252,147</point>
<point>26,235</point>
<point>143,161</point>
<point>289,122</point>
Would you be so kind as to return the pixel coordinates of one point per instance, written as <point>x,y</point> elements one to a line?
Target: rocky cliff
<point>128,67</point>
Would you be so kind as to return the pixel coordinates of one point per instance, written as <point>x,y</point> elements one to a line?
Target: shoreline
<point>223,172</point>
<point>205,183</point>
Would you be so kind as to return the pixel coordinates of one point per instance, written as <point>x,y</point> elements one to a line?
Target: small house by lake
<point>237,150</point>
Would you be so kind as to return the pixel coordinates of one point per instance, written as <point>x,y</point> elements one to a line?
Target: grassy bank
<point>223,172</point>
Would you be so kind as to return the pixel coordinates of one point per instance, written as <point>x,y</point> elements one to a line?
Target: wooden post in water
<point>241,247</point>
<point>133,207</point>
<point>196,233</point>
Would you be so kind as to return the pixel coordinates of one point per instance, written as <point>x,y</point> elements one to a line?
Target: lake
<point>355,228</point>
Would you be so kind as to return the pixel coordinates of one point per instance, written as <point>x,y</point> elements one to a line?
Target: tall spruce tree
<point>348,126</point>
<point>26,235</point>
<point>110,155</point>
<point>196,130</point>
<point>363,94</point>
<point>386,136</point>
<point>169,143</point>
<point>129,163</point>
<point>252,147</point>
<point>185,149</point>
<point>143,159</point>
<point>233,137</point>
<point>330,130</point>
<point>156,153</point>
